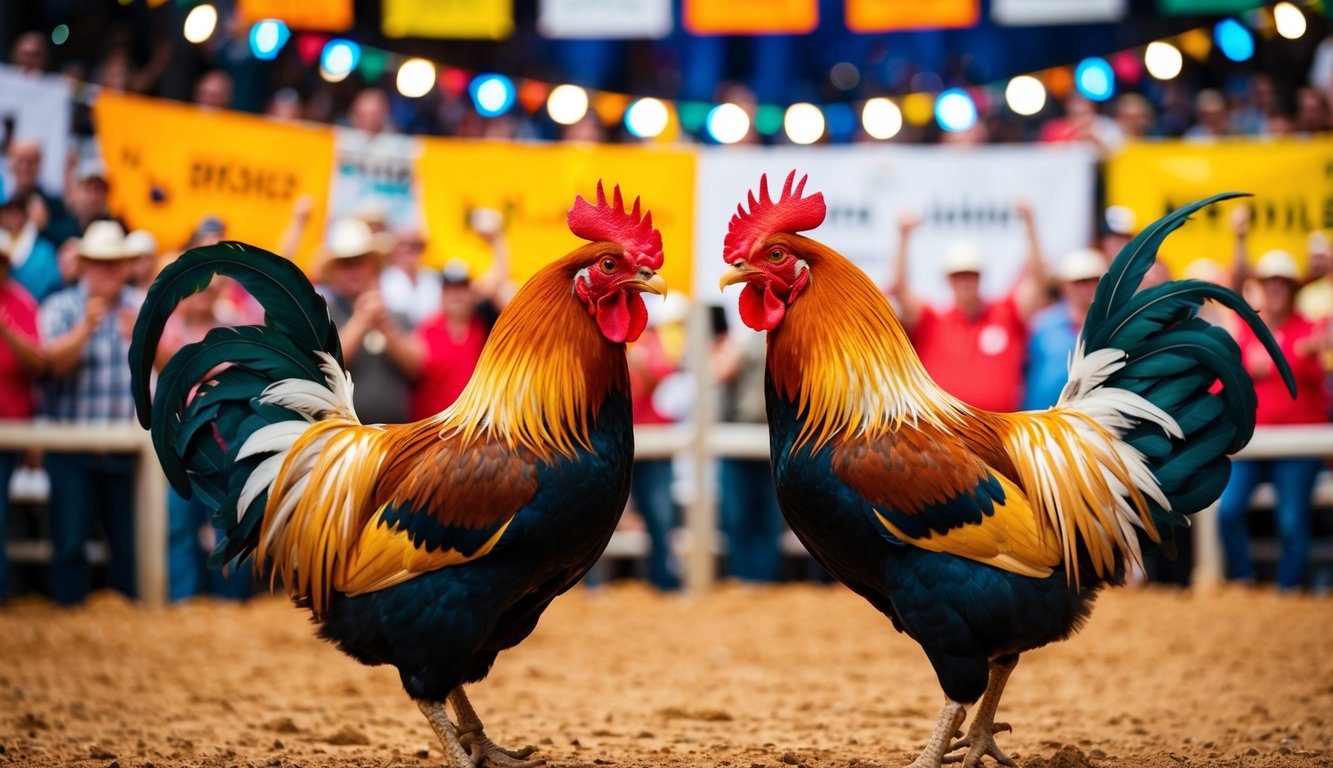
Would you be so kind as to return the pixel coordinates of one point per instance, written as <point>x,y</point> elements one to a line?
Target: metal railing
<point>706,444</point>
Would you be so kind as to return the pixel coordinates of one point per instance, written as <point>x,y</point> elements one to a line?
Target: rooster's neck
<point>544,374</point>
<point>844,359</point>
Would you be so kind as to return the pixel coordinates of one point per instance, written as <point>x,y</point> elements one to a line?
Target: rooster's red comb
<point>789,213</point>
<point>603,222</point>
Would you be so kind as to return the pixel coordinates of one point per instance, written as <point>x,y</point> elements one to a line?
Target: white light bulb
<point>200,23</point>
<point>881,118</point>
<point>567,104</point>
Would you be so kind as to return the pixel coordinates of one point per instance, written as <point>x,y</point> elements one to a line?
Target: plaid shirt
<point>98,389</point>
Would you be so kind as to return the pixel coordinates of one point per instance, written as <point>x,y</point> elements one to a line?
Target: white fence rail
<point>712,442</point>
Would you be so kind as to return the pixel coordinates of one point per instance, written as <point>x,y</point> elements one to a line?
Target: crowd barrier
<point>704,440</point>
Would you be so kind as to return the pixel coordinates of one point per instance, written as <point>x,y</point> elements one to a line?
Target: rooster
<point>984,535</point>
<point>430,546</point>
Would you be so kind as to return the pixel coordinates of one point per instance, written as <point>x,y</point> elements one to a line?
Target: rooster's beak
<point>737,273</point>
<point>649,282</point>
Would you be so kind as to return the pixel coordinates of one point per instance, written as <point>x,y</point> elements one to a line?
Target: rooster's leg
<point>950,718</point>
<point>980,738</point>
<point>484,751</point>
<point>447,733</point>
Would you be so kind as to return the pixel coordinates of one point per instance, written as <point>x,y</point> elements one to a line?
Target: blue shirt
<point>98,389</point>
<point>39,272</point>
<point>1051,339</point>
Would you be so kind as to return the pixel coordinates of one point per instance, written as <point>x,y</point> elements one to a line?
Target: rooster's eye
<point>608,265</point>
<point>776,255</point>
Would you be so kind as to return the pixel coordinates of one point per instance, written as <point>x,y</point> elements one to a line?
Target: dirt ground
<point>799,675</point>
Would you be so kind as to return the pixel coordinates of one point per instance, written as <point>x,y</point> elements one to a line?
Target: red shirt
<point>1275,403</point>
<point>20,311</point>
<point>977,361</point>
<point>651,366</point>
<point>447,364</point>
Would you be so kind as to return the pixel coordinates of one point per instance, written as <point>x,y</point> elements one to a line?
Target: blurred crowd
<point>1276,93</point>
<point>72,277</point>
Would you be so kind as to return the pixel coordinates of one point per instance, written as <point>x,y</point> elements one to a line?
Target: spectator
<point>650,485</point>
<point>1115,232</point>
<point>85,333</point>
<point>1081,122</point>
<point>1311,111</point>
<point>449,344</point>
<point>1314,301</point>
<point>30,53</point>
<point>369,112</point>
<point>187,519</point>
<point>376,348</point>
<point>142,247</point>
<point>89,201</point>
<point>32,258</point>
<point>48,211</point>
<point>747,503</point>
<point>285,105</point>
<point>1211,118</point>
<point>1292,478</point>
<point>410,289</point>
<point>1133,115</point>
<point>21,360</point>
<point>1055,329</point>
<point>974,349</point>
<point>214,90</point>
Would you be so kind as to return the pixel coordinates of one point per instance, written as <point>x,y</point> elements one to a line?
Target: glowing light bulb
<point>646,118</point>
<point>955,110</point>
<point>1025,95</point>
<point>727,123</point>
<point>416,78</point>
<point>1289,20</point>
<point>200,23</point>
<point>881,118</point>
<point>804,123</point>
<point>567,104</point>
<point>1163,60</point>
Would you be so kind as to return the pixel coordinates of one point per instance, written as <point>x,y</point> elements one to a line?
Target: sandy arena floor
<point>623,677</point>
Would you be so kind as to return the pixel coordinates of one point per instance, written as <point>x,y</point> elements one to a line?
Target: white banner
<point>376,173</point>
<point>35,107</point>
<point>963,195</point>
<point>604,18</point>
<point>1017,13</point>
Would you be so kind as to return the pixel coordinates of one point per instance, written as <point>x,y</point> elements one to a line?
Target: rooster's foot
<point>950,718</point>
<point>980,743</point>
<point>488,754</point>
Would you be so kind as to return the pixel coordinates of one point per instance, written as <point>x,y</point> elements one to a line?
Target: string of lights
<point>882,117</point>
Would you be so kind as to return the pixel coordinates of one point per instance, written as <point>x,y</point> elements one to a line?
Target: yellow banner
<point>1292,184</point>
<point>534,187</point>
<point>170,165</point>
<point>889,15</point>
<point>487,19</point>
<point>750,17</point>
<point>318,15</point>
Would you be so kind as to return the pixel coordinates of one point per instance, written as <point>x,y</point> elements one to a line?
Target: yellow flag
<point>889,15</point>
<point>170,165</point>
<point>318,15</point>
<point>750,17</point>
<point>1290,181</point>
<point>486,19</point>
<point>534,186</point>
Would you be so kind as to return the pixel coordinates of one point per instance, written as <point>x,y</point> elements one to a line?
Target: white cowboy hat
<point>1277,263</point>
<point>140,242</point>
<point>1082,264</point>
<point>962,257</point>
<point>349,238</point>
<point>103,241</point>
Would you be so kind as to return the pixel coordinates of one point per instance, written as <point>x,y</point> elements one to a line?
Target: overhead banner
<point>962,196</point>
<point>1290,181</point>
<point>750,17</point>
<point>377,173</point>
<point>170,165</point>
<point>889,15</point>
<point>1183,7</point>
<point>1017,13</point>
<point>313,15</point>
<point>533,187</point>
<point>576,19</point>
<point>458,19</point>
<point>35,107</point>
